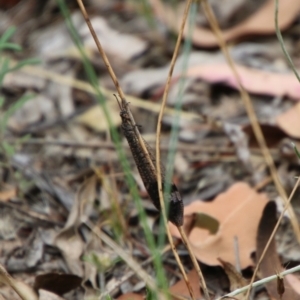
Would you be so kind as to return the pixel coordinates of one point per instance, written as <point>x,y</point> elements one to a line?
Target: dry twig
<point>158,167</point>
<point>136,142</point>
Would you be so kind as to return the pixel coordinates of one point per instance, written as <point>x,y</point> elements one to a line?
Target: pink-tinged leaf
<point>254,81</point>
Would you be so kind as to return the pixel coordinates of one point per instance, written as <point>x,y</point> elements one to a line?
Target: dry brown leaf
<point>259,23</point>
<point>68,240</point>
<point>235,278</point>
<point>238,211</point>
<point>293,282</point>
<point>8,194</point>
<point>57,283</point>
<point>289,121</point>
<point>180,288</point>
<point>253,80</point>
<point>273,135</point>
<point>271,263</point>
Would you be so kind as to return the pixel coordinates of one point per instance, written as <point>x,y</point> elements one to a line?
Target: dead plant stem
<point>157,148</point>
<point>187,282</point>
<point>281,42</point>
<point>122,96</point>
<point>259,283</point>
<point>113,76</point>
<point>251,114</point>
<point>194,261</point>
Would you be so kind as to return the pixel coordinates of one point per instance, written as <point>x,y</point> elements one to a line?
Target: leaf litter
<point>271,260</point>
<point>259,23</point>
<point>238,205</point>
<point>49,189</point>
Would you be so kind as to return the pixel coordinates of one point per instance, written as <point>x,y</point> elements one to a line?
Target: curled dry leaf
<point>273,135</point>
<point>68,240</point>
<point>238,211</point>
<point>8,194</point>
<point>259,23</point>
<point>236,279</point>
<point>57,283</point>
<point>271,263</point>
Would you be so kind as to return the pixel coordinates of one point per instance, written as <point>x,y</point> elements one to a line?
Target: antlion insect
<point>144,159</point>
<point>145,162</point>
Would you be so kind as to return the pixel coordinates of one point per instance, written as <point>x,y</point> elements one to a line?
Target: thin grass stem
<point>158,131</point>
<point>259,283</point>
<point>93,79</point>
<point>281,42</point>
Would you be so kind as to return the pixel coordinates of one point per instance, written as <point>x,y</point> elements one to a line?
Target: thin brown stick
<point>187,282</point>
<point>150,179</point>
<point>124,105</point>
<point>101,50</point>
<point>158,167</point>
<point>271,237</point>
<point>194,261</point>
<point>251,114</point>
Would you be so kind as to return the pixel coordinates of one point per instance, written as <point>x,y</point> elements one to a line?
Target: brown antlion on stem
<point>176,204</point>
<point>145,162</point>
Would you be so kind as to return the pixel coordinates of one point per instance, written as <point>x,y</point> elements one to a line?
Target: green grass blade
<point>7,35</point>
<point>10,46</point>
<point>280,38</point>
<point>12,109</point>
<point>161,279</point>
